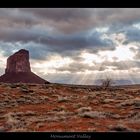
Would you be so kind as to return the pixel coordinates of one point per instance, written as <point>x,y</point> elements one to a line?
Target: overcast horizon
<point>74,45</point>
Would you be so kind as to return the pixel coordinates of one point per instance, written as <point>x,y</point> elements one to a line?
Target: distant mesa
<point>18,70</point>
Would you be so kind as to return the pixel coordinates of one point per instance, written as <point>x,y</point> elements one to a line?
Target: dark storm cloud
<point>78,41</point>
<point>57,43</point>
<point>60,14</point>
<point>22,34</point>
<point>75,19</point>
<point>70,19</point>
<point>37,51</point>
<point>38,35</point>
<point>81,67</point>
<point>64,31</point>
<point>133,34</point>
<point>14,17</point>
<point>122,65</point>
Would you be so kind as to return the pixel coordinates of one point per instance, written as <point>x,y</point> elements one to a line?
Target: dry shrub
<point>119,127</point>
<point>62,99</point>
<point>106,83</point>
<point>84,109</point>
<point>92,114</point>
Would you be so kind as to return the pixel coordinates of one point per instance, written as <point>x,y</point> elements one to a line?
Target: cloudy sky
<point>74,45</point>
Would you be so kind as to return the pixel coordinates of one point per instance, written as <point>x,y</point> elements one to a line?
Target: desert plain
<point>69,108</point>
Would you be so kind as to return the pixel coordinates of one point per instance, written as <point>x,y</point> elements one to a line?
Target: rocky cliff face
<point>18,70</point>
<point>18,62</point>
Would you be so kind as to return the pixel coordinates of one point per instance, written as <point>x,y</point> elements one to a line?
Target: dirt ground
<point>67,108</point>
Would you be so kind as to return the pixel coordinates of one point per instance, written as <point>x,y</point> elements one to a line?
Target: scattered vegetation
<point>62,99</point>
<point>65,109</point>
<point>13,86</point>
<point>119,127</point>
<point>84,109</point>
<point>106,83</point>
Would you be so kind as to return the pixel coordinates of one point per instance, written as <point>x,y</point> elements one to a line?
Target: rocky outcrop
<point>18,62</point>
<point>18,70</point>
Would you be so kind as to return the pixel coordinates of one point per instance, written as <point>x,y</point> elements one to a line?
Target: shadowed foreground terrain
<point>57,108</point>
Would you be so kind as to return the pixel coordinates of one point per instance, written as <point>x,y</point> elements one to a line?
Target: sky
<point>74,45</point>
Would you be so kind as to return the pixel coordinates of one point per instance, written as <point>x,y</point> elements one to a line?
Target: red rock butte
<point>18,70</point>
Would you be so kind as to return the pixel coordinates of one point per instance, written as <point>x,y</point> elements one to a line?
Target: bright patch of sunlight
<point>102,30</point>
<point>52,63</point>
<point>89,58</point>
<point>121,53</point>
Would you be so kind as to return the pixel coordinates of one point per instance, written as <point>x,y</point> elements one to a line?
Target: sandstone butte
<point>18,70</point>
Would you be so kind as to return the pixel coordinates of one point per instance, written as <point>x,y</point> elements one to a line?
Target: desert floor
<point>67,108</point>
